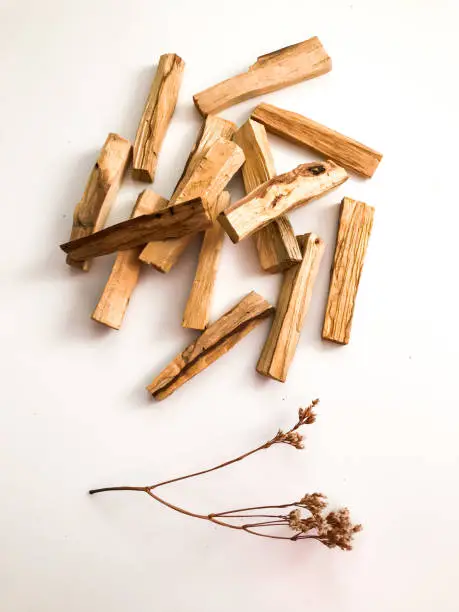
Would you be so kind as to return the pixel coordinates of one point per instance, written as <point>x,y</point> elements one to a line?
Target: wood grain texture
<point>276,243</point>
<point>293,64</point>
<point>172,222</point>
<point>103,184</point>
<point>291,310</point>
<point>279,195</point>
<point>163,255</point>
<point>355,224</point>
<point>294,127</point>
<point>197,310</point>
<point>156,116</point>
<point>113,302</point>
<point>213,343</point>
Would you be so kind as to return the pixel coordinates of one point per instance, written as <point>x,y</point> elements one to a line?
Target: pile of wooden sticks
<point>159,230</point>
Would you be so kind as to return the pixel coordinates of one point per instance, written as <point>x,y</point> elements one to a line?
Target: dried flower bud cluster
<point>293,438</point>
<point>306,416</point>
<point>334,529</point>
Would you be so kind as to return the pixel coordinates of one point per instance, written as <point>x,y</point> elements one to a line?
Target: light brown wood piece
<point>276,243</point>
<point>197,309</point>
<point>293,64</point>
<point>279,195</point>
<point>172,222</point>
<point>103,184</point>
<point>123,278</point>
<point>355,223</point>
<point>294,127</point>
<point>156,116</point>
<point>291,310</point>
<point>217,340</point>
<point>163,255</point>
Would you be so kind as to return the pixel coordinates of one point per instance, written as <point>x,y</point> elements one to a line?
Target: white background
<point>74,412</point>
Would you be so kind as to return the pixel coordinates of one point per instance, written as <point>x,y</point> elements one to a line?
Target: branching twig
<point>332,529</point>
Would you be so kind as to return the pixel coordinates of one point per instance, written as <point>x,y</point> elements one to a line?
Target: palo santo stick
<point>103,184</point>
<point>156,116</point>
<point>172,222</point>
<point>276,243</point>
<point>305,60</point>
<point>164,255</point>
<point>294,127</point>
<point>125,272</point>
<point>217,340</point>
<point>278,195</point>
<point>197,309</point>
<point>291,309</point>
<point>214,171</point>
<point>356,221</point>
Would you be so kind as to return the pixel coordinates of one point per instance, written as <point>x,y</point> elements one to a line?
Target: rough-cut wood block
<point>121,283</point>
<point>279,195</point>
<point>104,181</point>
<point>213,172</point>
<point>197,310</point>
<point>217,340</point>
<point>156,116</point>
<point>172,222</point>
<point>305,60</point>
<point>294,127</point>
<point>356,221</point>
<point>276,243</point>
<point>163,255</point>
<point>291,310</point>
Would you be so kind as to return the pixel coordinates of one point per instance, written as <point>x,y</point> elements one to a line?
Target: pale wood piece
<point>217,340</point>
<point>172,222</point>
<point>276,243</point>
<point>214,171</point>
<point>163,255</point>
<point>293,64</point>
<point>303,131</point>
<point>355,223</point>
<point>197,309</point>
<point>291,310</point>
<point>279,195</point>
<point>123,278</point>
<point>103,184</point>
<point>156,116</point>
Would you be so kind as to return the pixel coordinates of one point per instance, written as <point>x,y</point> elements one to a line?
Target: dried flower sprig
<point>333,529</point>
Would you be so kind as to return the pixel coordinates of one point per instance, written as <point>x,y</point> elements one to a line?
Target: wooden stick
<point>121,283</point>
<point>305,60</point>
<point>164,255</point>
<point>294,127</point>
<point>103,184</point>
<point>197,310</point>
<point>276,243</point>
<point>156,116</point>
<point>217,340</point>
<point>214,171</point>
<point>278,195</point>
<point>356,221</point>
<point>291,310</point>
<point>172,222</point>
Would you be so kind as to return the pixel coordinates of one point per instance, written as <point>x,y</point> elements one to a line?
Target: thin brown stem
<point>266,524</point>
<point>230,516</point>
<point>256,508</point>
<point>267,535</point>
<point>217,467</point>
<point>143,489</point>
<point>176,508</point>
